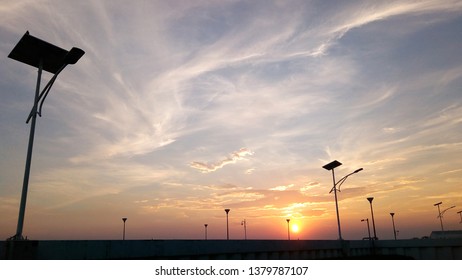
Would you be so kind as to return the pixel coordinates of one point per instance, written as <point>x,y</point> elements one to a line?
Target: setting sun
<point>295,228</point>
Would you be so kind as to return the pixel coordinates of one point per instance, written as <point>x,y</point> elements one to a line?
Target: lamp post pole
<point>373,220</point>
<point>244,223</point>
<point>336,206</point>
<point>460,213</point>
<point>227,224</point>
<point>205,226</point>
<point>288,229</point>
<point>331,166</point>
<point>393,221</point>
<point>25,184</point>
<point>45,57</point>
<point>124,220</point>
<point>368,228</point>
<point>440,215</point>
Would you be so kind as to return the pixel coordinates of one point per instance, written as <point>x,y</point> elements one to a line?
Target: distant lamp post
<point>44,56</point>
<point>244,223</point>
<point>373,220</point>
<point>227,224</point>
<point>460,213</point>
<point>205,226</point>
<point>288,229</point>
<point>336,187</point>
<point>368,228</point>
<point>124,220</point>
<point>393,222</point>
<point>440,215</point>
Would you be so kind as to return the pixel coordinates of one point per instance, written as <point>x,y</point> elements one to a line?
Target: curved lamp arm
<point>343,179</point>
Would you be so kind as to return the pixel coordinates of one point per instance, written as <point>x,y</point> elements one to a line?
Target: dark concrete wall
<point>427,249</point>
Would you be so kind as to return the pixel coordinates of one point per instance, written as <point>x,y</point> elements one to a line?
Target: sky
<point>180,109</point>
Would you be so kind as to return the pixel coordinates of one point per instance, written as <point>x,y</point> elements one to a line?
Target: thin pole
<point>373,220</point>
<point>441,218</point>
<point>25,186</point>
<point>205,225</point>
<point>393,221</point>
<point>288,229</point>
<point>227,224</point>
<point>124,219</point>
<point>368,229</point>
<point>336,206</point>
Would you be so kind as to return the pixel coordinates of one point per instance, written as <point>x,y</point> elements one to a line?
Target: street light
<point>368,228</point>
<point>48,57</point>
<point>373,220</point>
<point>440,215</point>
<point>393,221</point>
<point>331,166</point>
<point>205,226</point>
<point>460,213</point>
<point>244,223</point>
<point>227,224</point>
<point>288,229</point>
<point>124,219</point>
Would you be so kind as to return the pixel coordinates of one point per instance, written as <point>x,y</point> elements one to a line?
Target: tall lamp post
<point>440,215</point>
<point>373,220</point>
<point>393,221</point>
<point>244,223</point>
<point>368,228</point>
<point>460,213</point>
<point>227,224</point>
<point>288,229</point>
<point>331,166</point>
<point>124,220</point>
<point>205,226</point>
<point>45,57</point>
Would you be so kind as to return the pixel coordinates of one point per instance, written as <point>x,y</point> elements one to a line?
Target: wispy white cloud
<point>232,158</point>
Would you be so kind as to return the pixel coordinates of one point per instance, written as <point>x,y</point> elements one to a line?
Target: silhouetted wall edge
<point>423,249</point>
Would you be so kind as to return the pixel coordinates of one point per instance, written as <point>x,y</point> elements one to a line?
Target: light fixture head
<point>73,55</point>
<point>332,165</point>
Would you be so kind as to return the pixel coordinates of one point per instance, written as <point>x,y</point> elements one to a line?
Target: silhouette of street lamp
<point>373,220</point>
<point>331,166</point>
<point>205,226</point>
<point>244,223</point>
<point>368,228</point>
<point>227,224</point>
<point>440,215</point>
<point>460,213</point>
<point>288,229</point>
<point>393,221</point>
<point>45,57</point>
<point>124,220</point>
